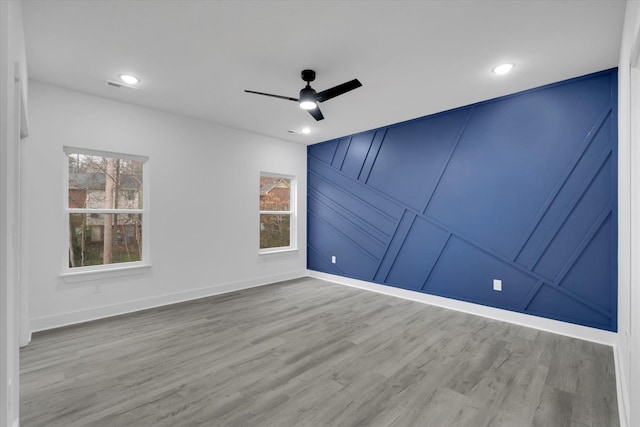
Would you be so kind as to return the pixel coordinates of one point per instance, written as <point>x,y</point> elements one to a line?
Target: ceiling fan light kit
<point>309,98</point>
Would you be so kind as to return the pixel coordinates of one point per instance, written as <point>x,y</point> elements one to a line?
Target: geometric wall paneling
<point>341,152</point>
<point>324,152</point>
<point>395,245</point>
<point>521,188</point>
<point>520,137</point>
<point>466,272</point>
<point>550,302</point>
<point>429,141</point>
<point>593,205</point>
<point>358,148</point>
<point>589,159</point>
<point>368,205</point>
<point>588,275</point>
<point>415,259</point>
<point>353,258</point>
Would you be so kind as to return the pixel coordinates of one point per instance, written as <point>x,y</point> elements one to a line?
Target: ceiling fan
<point>309,98</point>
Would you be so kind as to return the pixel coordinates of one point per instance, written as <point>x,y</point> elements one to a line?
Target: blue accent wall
<point>521,188</point>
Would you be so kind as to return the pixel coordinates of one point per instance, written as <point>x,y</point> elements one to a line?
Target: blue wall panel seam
<point>533,292</point>
<point>383,135</point>
<point>372,237</point>
<point>317,159</point>
<point>403,240</point>
<point>367,187</point>
<point>386,251</point>
<point>357,245</point>
<point>578,298</point>
<point>346,152</point>
<point>575,255</point>
<point>602,160</point>
<point>364,161</point>
<point>335,150</point>
<point>450,156</point>
<point>340,151</point>
<point>433,267</point>
<point>382,236</point>
<point>350,194</point>
<point>556,191</point>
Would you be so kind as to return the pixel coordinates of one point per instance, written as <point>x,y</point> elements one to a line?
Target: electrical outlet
<point>333,259</point>
<point>497,285</point>
<point>96,289</point>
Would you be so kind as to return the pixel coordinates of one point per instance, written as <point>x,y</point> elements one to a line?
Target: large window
<point>277,212</point>
<point>105,210</point>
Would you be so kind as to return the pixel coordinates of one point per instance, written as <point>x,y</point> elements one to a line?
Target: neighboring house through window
<point>277,213</point>
<point>105,210</point>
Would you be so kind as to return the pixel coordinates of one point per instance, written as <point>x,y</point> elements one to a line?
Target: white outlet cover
<point>333,259</point>
<point>497,285</point>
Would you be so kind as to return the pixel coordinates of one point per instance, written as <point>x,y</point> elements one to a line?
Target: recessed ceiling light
<point>129,79</point>
<point>502,68</point>
<point>306,130</point>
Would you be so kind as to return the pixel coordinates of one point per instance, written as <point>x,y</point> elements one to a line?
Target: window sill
<point>276,251</point>
<point>108,273</point>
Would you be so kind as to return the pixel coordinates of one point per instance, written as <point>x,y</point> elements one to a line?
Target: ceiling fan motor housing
<point>307,94</point>
<point>308,75</point>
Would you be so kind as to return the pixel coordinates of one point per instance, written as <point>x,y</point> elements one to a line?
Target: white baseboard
<point>81,316</point>
<point>540,323</point>
<point>623,396</point>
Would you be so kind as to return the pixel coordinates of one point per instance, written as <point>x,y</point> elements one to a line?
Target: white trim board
<point>623,398</point>
<point>540,323</point>
<point>81,316</point>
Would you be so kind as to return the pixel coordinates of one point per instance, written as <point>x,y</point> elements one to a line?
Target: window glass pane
<point>90,239</point>
<point>97,182</point>
<point>275,194</point>
<point>274,231</point>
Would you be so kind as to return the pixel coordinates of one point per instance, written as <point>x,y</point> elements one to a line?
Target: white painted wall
<point>628,345</point>
<point>204,190</point>
<point>12,58</point>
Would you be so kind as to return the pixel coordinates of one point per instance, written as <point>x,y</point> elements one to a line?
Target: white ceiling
<point>195,57</point>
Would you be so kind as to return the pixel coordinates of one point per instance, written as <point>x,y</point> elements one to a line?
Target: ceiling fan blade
<point>337,90</point>
<point>288,98</point>
<point>316,113</point>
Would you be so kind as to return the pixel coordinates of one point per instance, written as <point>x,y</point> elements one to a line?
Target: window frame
<point>105,270</point>
<point>292,212</point>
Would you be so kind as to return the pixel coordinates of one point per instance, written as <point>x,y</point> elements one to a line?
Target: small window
<point>277,212</point>
<point>104,210</point>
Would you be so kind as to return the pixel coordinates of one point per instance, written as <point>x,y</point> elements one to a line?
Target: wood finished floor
<point>311,353</point>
